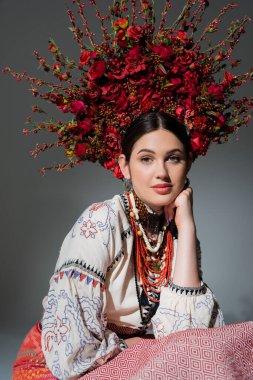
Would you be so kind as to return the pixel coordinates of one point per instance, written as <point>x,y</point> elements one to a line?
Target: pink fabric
<point>224,353</point>
<point>218,354</point>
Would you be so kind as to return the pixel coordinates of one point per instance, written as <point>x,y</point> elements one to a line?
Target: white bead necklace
<point>150,248</point>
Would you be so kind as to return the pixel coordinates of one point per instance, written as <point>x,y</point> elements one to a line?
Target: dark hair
<point>152,121</point>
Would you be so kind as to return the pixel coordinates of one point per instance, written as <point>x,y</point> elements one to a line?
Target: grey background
<point>37,211</point>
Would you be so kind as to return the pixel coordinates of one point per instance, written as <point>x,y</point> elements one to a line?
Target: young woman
<point>130,267</point>
<point>127,299</point>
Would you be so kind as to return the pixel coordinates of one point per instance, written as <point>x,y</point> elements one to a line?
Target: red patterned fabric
<point>199,354</point>
<point>30,363</point>
<point>121,330</point>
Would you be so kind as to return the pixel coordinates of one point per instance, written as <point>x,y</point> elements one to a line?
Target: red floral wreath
<point>138,68</point>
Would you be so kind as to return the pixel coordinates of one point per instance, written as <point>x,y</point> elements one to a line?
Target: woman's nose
<point>162,171</point>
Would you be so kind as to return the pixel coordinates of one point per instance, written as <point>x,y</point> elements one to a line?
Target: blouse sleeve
<point>74,334</point>
<point>185,308</point>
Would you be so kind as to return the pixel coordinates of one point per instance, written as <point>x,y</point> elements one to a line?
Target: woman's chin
<point>159,206</point>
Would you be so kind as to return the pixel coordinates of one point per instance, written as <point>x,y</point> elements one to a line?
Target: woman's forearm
<point>186,273</point>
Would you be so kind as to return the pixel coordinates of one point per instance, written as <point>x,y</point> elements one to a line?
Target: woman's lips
<point>162,189</point>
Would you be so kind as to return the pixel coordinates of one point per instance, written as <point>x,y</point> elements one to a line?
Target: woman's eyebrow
<point>152,151</point>
<point>146,150</point>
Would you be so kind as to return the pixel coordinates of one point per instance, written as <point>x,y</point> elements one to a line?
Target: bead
<point>153,238</point>
<point>131,214</point>
<point>139,233</point>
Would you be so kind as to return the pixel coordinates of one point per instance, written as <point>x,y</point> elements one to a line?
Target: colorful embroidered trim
<point>83,266</point>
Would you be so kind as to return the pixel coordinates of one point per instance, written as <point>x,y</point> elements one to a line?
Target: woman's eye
<point>146,160</point>
<point>174,158</point>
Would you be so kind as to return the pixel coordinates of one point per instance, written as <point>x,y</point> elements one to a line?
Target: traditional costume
<point>96,300</point>
<point>114,275</point>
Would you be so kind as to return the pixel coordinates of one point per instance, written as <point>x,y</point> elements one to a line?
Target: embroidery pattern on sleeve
<point>172,319</point>
<point>71,322</point>
<point>98,218</point>
<point>88,229</point>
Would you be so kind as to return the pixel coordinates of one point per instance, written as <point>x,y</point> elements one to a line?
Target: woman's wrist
<point>187,226</point>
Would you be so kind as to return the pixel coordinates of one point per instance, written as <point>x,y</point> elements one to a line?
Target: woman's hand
<point>181,209</point>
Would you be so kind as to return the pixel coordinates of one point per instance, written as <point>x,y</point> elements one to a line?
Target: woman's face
<point>157,168</point>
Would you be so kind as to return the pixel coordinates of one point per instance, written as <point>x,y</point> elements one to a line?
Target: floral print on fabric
<point>181,312</point>
<point>74,335</point>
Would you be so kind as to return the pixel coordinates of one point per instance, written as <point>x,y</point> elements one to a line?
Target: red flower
<point>97,69</point>
<point>190,84</point>
<point>200,123</point>
<point>86,56</point>
<point>112,138</point>
<point>122,101</point>
<point>150,100</point>
<point>144,4</point>
<point>117,172</point>
<point>121,39</point>
<point>182,36</point>
<point>109,92</point>
<point>57,67</point>
<point>110,164</point>
<point>164,51</point>
<point>185,59</point>
<point>133,69</point>
<point>94,91</point>
<point>219,56</point>
<point>190,106</point>
<point>173,84</point>
<point>77,107</point>
<point>85,126</point>
<point>52,47</point>
<point>117,73</point>
<point>80,150</point>
<point>133,54</point>
<point>228,79</point>
<point>120,23</point>
<point>198,144</point>
<point>134,32</point>
<point>179,111</point>
<point>216,91</point>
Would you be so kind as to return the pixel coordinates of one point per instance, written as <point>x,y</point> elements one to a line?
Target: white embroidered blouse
<point>94,288</point>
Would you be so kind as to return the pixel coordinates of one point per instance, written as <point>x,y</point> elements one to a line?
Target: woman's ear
<point>124,166</point>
